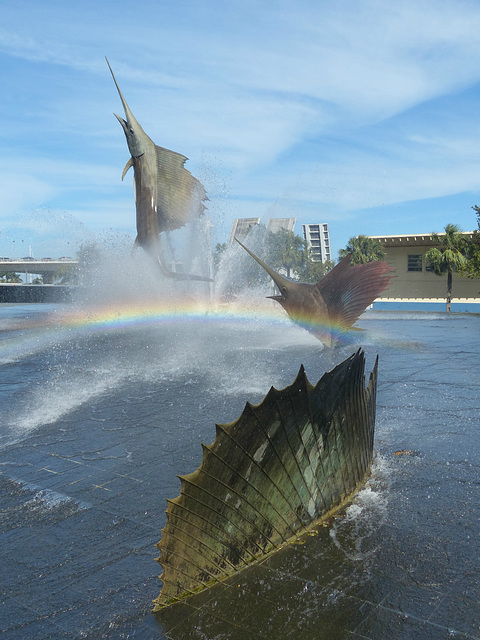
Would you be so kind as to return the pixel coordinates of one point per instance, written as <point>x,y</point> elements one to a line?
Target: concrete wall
<point>423,284</point>
<point>26,293</point>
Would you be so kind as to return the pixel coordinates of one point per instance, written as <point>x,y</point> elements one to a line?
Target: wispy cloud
<point>315,108</point>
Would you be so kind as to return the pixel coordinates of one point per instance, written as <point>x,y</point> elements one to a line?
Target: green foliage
<point>217,255</point>
<point>10,276</point>
<point>286,251</point>
<point>88,256</point>
<point>283,251</point>
<point>472,268</point>
<point>449,256</point>
<point>89,253</point>
<point>238,270</point>
<point>66,274</point>
<point>363,249</point>
<point>312,271</point>
<point>251,272</point>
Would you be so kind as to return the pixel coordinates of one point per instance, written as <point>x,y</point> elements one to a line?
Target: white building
<point>317,238</point>
<point>275,224</point>
<point>241,227</point>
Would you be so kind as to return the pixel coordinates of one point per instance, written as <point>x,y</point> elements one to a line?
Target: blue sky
<point>360,113</point>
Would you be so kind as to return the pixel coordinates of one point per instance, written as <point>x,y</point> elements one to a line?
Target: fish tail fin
<point>349,289</point>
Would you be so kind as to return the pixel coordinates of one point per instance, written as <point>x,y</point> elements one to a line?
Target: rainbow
<point>114,317</point>
<point>34,334</point>
<point>119,316</point>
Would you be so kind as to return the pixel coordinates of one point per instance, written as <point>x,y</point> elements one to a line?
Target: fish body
<point>330,307</point>
<point>167,196</point>
<point>148,228</point>
<point>306,306</point>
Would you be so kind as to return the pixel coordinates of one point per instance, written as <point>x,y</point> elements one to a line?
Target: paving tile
<point>15,613</point>
<point>412,600</point>
<point>178,615</point>
<point>83,505</point>
<point>203,624</point>
<point>44,629</point>
<point>460,615</point>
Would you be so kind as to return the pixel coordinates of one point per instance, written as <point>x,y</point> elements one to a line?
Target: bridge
<point>46,267</point>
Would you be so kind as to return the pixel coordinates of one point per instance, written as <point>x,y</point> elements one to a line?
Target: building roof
<point>275,224</point>
<point>241,227</point>
<point>412,240</point>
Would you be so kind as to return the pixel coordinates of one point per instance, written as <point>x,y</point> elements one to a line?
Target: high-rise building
<point>317,239</point>
<point>275,224</point>
<point>241,227</point>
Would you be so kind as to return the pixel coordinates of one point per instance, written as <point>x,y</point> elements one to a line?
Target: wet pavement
<point>96,427</point>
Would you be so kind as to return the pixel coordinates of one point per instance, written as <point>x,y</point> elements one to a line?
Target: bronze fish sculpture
<point>330,307</point>
<point>167,196</point>
<point>269,477</point>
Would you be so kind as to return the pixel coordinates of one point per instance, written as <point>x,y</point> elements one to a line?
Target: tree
<point>9,276</point>
<point>312,270</point>
<point>217,256</point>
<point>472,267</point>
<point>285,251</point>
<point>282,251</point>
<point>449,256</point>
<point>235,270</point>
<point>363,249</point>
<point>88,257</point>
<point>66,274</point>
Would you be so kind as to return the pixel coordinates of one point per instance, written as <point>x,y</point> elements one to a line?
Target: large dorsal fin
<point>270,476</point>
<point>180,196</point>
<point>349,289</point>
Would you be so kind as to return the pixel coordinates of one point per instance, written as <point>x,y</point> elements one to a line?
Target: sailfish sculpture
<point>330,307</point>
<point>268,478</point>
<point>167,196</point>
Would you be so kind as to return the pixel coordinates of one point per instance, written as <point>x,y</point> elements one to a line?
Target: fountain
<point>107,399</point>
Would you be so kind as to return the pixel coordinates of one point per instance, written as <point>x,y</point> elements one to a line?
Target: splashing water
<point>130,326</point>
<point>351,534</point>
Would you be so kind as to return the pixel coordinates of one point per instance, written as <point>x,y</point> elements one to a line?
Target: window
<point>414,262</point>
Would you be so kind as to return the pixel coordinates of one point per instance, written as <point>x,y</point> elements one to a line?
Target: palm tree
<point>472,267</point>
<point>363,249</point>
<point>9,276</point>
<point>448,256</point>
<point>285,251</point>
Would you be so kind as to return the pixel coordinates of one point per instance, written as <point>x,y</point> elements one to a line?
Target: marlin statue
<point>167,196</point>
<point>330,307</point>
